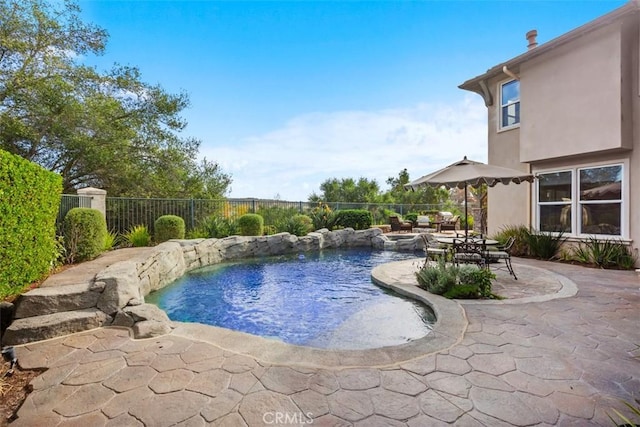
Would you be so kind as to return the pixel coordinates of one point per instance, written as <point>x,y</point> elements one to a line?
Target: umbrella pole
<point>466,223</point>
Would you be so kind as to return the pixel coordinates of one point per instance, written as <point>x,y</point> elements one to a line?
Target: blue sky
<point>285,95</point>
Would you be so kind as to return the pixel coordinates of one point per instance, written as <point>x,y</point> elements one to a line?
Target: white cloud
<point>294,160</point>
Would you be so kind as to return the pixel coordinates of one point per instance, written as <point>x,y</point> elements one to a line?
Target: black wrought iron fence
<point>68,202</point>
<point>123,213</point>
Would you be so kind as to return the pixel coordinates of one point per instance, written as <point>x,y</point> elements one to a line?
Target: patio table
<point>449,240</point>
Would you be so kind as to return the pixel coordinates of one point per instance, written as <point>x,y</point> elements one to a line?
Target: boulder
<point>380,242</point>
<point>123,319</point>
<point>144,312</point>
<point>310,242</point>
<point>150,328</point>
<point>37,328</point>
<point>207,253</point>
<point>55,299</point>
<point>282,243</point>
<point>409,245</point>
<point>234,247</point>
<point>122,284</point>
<point>169,263</point>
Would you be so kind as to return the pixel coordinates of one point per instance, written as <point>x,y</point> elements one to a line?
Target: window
<point>510,104</point>
<point>581,201</point>
<point>600,200</point>
<point>554,201</point>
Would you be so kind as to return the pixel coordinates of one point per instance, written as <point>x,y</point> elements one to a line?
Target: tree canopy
<point>348,190</point>
<point>368,191</point>
<point>103,129</point>
<point>425,195</point>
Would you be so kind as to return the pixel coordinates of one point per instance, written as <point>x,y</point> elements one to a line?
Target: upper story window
<point>509,104</point>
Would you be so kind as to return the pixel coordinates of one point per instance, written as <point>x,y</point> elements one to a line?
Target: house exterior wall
<point>571,99</point>
<point>580,108</point>
<point>507,204</point>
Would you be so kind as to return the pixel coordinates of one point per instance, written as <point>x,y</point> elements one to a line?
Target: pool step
<point>54,299</point>
<point>36,328</point>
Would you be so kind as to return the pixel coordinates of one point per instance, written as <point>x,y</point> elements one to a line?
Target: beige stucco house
<point>569,111</point>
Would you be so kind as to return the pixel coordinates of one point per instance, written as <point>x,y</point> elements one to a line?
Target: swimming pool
<point>319,299</point>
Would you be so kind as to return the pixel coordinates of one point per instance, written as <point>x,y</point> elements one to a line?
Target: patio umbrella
<point>468,172</point>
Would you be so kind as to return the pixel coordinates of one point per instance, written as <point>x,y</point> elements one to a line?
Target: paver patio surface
<point>564,361</point>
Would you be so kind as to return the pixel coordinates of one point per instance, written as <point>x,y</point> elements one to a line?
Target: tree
<point>397,193</point>
<point>348,190</point>
<point>109,130</point>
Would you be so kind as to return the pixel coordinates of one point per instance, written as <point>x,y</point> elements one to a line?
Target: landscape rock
<point>409,245</point>
<point>150,328</point>
<point>55,299</point>
<point>123,319</point>
<point>144,312</point>
<point>282,243</point>
<point>37,328</point>
<point>121,286</point>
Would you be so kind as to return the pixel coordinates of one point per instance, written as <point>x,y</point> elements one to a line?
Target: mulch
<point>14,389</point>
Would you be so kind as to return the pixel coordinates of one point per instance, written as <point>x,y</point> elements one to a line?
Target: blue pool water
<point>320,299</point>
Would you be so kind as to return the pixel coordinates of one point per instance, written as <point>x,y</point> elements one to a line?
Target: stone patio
<point>563,350</point>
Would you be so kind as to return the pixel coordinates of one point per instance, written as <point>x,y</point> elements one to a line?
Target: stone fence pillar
<point>98,198</point>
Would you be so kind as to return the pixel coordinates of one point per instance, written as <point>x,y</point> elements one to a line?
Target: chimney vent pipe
<point>531,38</point>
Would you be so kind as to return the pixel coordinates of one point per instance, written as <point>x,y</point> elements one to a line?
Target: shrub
<point>322,217</point>
<point>633,409</point>
<point>358,219</point>
<point>168,227</point>
<point>215,227</point>
<point>29,203</point>
<point>137,236</point>
<point>251,225</point>
<point>381,216</point>
<point>85,234</point>
<point>110,240</point>
<point>605,254</point>
<point>520,232</point>
<point>274,215</point>
<point>412,216</point>
<point>544,245</point>
<point>469,220</point>
<point>270,230</point>
<point>450,281</point>
<point>299,225</point>
<point>438,278</point>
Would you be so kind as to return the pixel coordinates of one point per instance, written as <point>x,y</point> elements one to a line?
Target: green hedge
<point>169,227</point>
<point>29,203</point>
<point>251,225</point>
<point>358,219</point>
<point>85,232</point>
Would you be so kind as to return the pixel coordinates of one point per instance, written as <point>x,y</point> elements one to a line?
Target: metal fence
<point>124,213</point>
<point>68,202</point>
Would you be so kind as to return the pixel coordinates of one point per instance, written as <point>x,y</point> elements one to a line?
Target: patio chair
<point>503,253</point>
<point>450,223</point>
<point>431,246</point>
<point>399,225</point>
<point>469,252</point>
<point>423,221</point>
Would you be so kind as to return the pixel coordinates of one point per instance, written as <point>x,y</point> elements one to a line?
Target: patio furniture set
<point>470,250</point>
<point>445,221</point>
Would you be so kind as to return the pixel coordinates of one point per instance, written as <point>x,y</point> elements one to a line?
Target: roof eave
<point>478,84</point>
